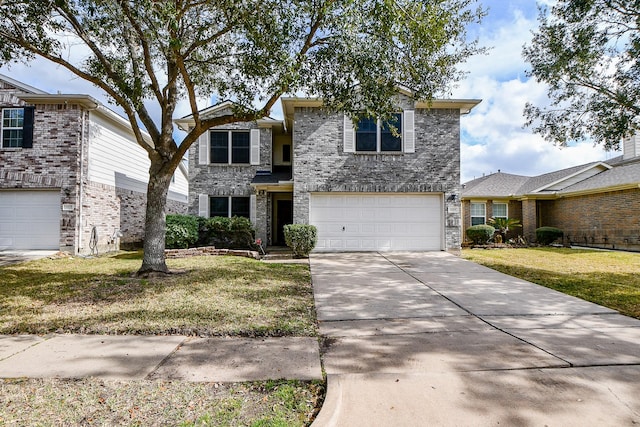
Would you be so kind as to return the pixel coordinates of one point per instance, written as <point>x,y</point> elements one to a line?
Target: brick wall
<point>52,163</point>
<point>606,220</point>
<point>514,210</point>
<point>322,166</point>
<point>113,210</point>
<point>231,180</point>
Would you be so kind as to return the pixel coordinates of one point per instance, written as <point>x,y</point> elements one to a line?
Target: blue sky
<point>492,138</point>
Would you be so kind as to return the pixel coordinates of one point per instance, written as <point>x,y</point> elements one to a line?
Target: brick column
<point>529,219</point>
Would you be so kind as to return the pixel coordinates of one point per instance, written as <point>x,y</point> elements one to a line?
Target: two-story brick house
<point>369,186</point>
<point>69,164</point>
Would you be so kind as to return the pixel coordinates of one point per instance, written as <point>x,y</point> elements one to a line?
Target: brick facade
<point>58,161</point>
<point>321,165</point>
<point>605,220</point>
<point>231,179</point>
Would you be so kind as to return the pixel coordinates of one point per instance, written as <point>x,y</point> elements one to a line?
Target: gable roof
<point>622,176</point>
<point>499,183</point>
<point>219,109</point>
<point>23,87</point>
<point>553,181</point>
<point>588,178</point>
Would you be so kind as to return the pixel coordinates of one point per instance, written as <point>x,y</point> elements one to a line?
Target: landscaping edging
<point>209,250</point>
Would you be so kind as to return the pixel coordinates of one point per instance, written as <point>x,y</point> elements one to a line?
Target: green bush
<point>226,233</point>
<point>547,235</point>
<point>480,234</point>
<point>301,238</point>
<point>182,231</point>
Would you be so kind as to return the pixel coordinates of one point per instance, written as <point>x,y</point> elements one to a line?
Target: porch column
<point>529,219</point>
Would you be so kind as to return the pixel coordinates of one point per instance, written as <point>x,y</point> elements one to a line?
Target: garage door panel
<point>29,219</point>
<point>377,222</point>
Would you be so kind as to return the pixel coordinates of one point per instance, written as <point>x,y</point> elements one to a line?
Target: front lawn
<point>611,279</point>
<point>211,296</point>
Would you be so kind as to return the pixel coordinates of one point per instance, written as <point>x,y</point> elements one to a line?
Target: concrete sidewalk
<point>415,339</point>
<point>131,357</point>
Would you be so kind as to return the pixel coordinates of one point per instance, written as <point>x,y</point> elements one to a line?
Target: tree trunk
<point>155,222</point>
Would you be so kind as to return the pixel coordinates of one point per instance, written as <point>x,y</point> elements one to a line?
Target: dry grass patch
<point>611,279</point>
<point>213,296</point>
<point>147,403</point>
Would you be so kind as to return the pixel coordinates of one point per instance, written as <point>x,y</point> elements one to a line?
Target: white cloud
<point>493,137</point>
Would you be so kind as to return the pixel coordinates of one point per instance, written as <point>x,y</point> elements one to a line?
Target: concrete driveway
<point>8,257</point>
<point>429,339</point>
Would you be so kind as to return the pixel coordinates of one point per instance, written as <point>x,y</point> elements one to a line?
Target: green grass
<point>611,279</point>
<point>210,296</point>
<point>148,403</point>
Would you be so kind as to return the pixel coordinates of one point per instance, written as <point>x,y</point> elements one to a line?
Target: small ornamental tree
<point>503,225</point>
<point>146,55</point>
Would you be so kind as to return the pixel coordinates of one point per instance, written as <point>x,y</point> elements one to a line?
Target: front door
<point>284,217</point>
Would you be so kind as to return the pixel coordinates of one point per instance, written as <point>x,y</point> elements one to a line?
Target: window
<point>499,210</point>
<point>373,135</point>
<point>229,206</point>
<point>478,212</point>
<point>12,127</point>
<point>230,147</point>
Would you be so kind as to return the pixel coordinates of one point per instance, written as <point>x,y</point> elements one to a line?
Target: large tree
<point>353,54</point>
<point>588,53</point>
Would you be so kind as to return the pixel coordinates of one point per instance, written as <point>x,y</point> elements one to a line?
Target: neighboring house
<point>67,164</point>
<point>368,188</point>
<point>595,204</point>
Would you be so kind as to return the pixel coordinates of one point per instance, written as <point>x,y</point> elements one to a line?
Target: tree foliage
<point>353,54</point>
<point>587,52</point>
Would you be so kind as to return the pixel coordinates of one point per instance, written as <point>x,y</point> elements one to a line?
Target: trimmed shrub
<point>301,238</point>
<point>547,235</point>
<point>480,234</point>
<point>226,233</point>
<point>182,231</point>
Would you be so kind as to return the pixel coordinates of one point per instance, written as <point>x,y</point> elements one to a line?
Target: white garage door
<point>377,222</point>
<point>29,219</point>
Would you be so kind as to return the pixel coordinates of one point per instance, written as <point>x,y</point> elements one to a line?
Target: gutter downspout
<point>81,187</point>
<point>83,142</point>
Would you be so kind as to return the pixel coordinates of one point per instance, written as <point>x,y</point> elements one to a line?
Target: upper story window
<point>16,127</point>
<point>371,135</point>
<point>12,127</point>
<point>478,213</point>
<point>500,210</point>
<point>229,147</point>
<point>377,135</point>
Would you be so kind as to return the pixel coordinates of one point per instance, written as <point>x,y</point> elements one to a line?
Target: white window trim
<point>471,215</point>
<point>204,148</point>
<point>379,139</point>
<point>204,203</point>
<point>506,209</point>
<point>3,128</point>
<point>407,137</point>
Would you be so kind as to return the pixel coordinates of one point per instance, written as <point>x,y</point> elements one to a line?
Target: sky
<point>492,135</point>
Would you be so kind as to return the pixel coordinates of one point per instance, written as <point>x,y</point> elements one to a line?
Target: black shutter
<point>27,129</point>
